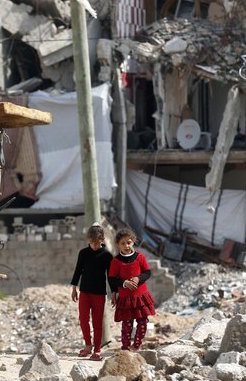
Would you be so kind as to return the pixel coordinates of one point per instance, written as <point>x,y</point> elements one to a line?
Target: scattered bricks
<point>49,229</point>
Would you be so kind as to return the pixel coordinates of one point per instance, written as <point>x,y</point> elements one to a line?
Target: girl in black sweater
<point>91,268</point>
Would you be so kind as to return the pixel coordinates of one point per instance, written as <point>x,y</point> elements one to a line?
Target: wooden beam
<point>180,157</point>
<point>13,116</point>
<point>227,133</point>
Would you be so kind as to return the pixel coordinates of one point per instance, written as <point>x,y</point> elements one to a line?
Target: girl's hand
<point>130,284</point>
<point>135,279</point>
<point>113,299</point>
<point>74,295</point>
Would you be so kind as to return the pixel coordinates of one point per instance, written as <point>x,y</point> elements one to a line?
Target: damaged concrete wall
<point>39,38</point>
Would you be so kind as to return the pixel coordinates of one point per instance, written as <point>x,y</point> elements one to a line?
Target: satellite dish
<point>188,134</point>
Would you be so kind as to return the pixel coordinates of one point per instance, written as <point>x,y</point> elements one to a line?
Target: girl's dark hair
<point>95,233</point>
<point>125,232</point>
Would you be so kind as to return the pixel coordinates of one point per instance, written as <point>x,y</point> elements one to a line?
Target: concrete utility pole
<point>85,110</point>
<point>86,122</point>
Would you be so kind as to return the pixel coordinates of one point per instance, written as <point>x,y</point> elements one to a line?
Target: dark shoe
<point>96,357</point>
<point>86,351</point>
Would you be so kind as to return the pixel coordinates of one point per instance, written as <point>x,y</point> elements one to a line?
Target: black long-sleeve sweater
<point>91,269</point>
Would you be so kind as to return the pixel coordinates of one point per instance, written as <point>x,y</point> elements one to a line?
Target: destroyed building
<point>168,100</point>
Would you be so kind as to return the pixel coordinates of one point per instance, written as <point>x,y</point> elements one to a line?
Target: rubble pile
<point>48,313</point>
<point>206,46</point>
<point>204,285</point>
<point>215,349</point>
<point>36,314</point>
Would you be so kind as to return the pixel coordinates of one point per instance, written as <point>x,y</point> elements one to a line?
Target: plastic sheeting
<point>166,205</point>
<point>59,148</point>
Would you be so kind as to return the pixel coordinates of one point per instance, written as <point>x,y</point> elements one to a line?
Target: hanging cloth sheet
<point>171,205</point>
<point>59,148</point>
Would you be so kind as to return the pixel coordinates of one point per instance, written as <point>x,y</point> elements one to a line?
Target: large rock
<point>229,372</point>
<point>124,363</point>
<point>207,327</point>
<point>234,338</point>
<point>82,372</point>
<point>42,366</point>
<point>179,350</point>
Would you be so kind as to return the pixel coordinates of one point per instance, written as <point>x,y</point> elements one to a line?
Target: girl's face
<point>95,244</point>
<point>125,245</point>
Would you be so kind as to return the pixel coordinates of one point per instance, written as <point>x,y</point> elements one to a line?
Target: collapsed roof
<point>212,50</point>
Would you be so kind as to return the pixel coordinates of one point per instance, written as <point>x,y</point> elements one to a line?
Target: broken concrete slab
<point>59,9</point>
<point>26,86</point>
<point>16,18</point>
<point>57,48</point>
<point>42,32</point>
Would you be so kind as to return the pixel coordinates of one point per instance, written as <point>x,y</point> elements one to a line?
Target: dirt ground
<point>168,327</point>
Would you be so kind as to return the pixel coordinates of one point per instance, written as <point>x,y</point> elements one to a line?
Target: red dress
<point>132,304</point>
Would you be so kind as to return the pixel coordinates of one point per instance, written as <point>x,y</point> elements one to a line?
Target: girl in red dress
<point>129,271</point>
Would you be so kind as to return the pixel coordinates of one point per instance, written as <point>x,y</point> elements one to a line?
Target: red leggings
<point>94,303</point>
<point>126,332</point>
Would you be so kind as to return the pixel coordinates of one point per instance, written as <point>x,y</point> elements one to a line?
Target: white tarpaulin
<point>166,205</point>
<point>59,148</point>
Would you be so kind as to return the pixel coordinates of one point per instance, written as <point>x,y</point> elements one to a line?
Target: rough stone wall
<point>38,263</point>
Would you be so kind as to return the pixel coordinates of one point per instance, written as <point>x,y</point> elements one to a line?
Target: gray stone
<point>212,353</point>
<point>30,376</point>
<point>45,362</point>
<point>150,356</point>
<point>213,327</point>
<point>242,360</point>
<point>230,372</point>
<point>175,45</point>
<point>218,315</point>
<point>190,360</point>
<point>3,368</point>
<point>234,338</point>
<point>165,363</point>
<point>56,377</point>
<point>82,372</point>
<point>228,358</point>
<point>179,350</point>
<point>112,378</point>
